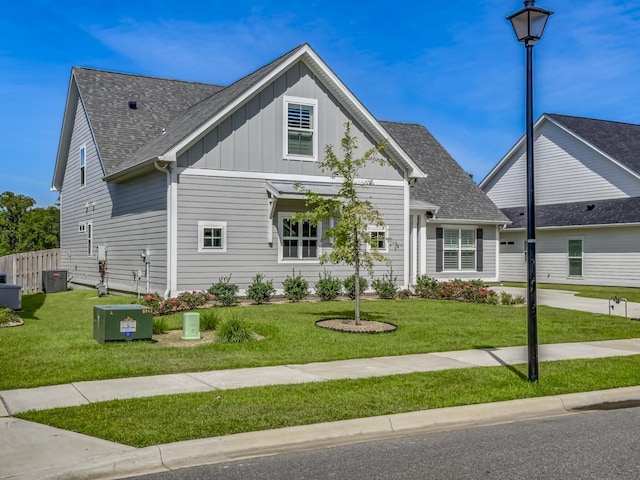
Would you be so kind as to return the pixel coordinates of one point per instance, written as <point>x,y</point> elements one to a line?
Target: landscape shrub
<point>260,291</point>
<point>296,287</point>
<point>8,315</point>
<point>350,286</point>
<point>404,294</point>
<point>386,286</point>
<point>234,330</point>
<point>184,301</point>
<point>160,325</point>
<point>459,290</point>
<point>426,287</point>
<point>194,299</point>
<point>209,320</point>
<point>328,287</point>
<point>226,292</point>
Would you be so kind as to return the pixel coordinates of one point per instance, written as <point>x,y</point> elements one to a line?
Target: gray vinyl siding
<point>136,221</point>
<point>242,204</point>
<point>489,254</point>
<point>566,170</point>
<point>611,256</point>
<point>252,137</point>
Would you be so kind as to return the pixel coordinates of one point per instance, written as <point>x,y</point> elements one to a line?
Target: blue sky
<point>454,66</point>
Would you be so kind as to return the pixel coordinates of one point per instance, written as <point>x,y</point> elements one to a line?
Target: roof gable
<point>447,185</point>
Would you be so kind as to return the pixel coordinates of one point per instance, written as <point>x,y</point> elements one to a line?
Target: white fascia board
<point>453,221</point>
<point>360,111</point>
<point>510,153</point>
<point>65,133</point>
<point>577,227</point>
<point>593,147</point>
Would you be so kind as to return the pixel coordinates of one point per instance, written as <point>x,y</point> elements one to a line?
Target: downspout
<point>166,168</point>
<point>407,231</point>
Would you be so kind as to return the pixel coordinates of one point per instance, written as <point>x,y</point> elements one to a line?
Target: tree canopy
<point>24,228</point>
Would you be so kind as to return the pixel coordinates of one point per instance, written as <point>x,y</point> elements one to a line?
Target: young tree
<point>352,240</point>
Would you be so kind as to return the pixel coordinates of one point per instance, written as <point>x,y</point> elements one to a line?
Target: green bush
<point>234,330</point>
<point>386,286</point>
<point>519,300</point>
<point>296,287</point>
<point>456,289</point>
<point>7,315</point>
<point>260,291</point>
<point>506,298</point>
<point>350,285</point>
<point>328,287</point>
<point>226,292</point>
<point>209,320</point>
<point>426,287</point>
<point>160,325</point>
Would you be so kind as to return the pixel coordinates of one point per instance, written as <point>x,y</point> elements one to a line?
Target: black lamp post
<point>529,24</point>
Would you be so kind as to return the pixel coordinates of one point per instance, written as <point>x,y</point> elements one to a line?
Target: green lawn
<point>591,291</point>
<point>152,421</point>
<point>56,343</point>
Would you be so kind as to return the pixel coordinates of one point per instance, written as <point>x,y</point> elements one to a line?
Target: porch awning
<point>286,189</point>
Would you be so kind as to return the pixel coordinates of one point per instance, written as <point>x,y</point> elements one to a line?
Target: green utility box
<point>122,322</point>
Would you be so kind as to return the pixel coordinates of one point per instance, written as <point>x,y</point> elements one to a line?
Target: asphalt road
<point>589,445</point>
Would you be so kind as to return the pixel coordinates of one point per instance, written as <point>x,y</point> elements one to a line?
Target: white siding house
<point>587,186</point>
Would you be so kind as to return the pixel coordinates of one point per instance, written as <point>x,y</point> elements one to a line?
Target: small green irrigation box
<point>122,323</point>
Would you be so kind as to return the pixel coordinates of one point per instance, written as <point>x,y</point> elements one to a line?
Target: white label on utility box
<point>127,325</point>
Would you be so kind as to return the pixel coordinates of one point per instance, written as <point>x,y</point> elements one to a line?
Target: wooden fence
<point>26,268</point>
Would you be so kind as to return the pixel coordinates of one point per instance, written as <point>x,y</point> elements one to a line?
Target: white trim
<point>407,235</point>
<point>581,238</point>
<point>314,128</point>
<point>577,227</point>
<point>82,227</point>
<point>90,237</point>
<point>413,241</point>
<point>423,245</point>
<point>173,231</point>
<point>205,172</point>
<point>497,250</point>
<point>460,248</point>
<point>281,259</point>
<point>206,224</point>
<point>377,229</point>
<point>461,221</point>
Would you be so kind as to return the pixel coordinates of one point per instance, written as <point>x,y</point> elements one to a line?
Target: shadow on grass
<point>31,303</point>
<point>490,349</point>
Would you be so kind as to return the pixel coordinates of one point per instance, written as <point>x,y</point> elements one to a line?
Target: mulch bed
<point>349,325</point>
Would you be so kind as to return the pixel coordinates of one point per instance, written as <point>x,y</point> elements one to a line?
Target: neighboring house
<point>167,186</point>
<point>587,187</point>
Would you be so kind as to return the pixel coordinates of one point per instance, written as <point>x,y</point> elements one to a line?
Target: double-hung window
<point>300,139</point>
<point>83,166</point>
<point>379,238</point>
<point>212,236</point>
<point>459,249</point>
<point>575,257</point>
<point>300,240</point>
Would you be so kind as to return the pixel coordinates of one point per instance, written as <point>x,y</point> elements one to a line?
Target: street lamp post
<point>528,25</point>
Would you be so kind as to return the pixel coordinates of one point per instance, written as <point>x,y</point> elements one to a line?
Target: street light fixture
<point>528,25</point>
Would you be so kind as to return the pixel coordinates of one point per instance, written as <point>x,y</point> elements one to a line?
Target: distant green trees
<point>24,228</point>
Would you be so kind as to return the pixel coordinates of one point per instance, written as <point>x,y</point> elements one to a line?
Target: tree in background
<point>24,228</point>
<point>352,240</point>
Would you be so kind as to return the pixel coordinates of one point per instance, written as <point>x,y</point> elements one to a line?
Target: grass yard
<point>590,291</point>
<point>55,345</point>
<point>157,420</point>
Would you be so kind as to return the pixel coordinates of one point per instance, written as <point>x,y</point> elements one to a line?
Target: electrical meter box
<point>122,323</point>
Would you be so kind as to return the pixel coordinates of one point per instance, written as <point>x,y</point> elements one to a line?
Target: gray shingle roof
<point>619,140</point>
<point>447,184</point>
<point>596,212</point>
<point>121,131</point>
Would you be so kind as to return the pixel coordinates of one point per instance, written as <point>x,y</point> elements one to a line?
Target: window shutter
<point>439,249</point>
<point>479,249</point>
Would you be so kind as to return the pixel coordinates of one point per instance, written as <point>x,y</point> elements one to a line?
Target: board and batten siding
<point>611,256</point>
<point>489,244</point>
<point>136,221</point>
<point>242,204</point>
<point>566,170</point>
<point>252,137</point>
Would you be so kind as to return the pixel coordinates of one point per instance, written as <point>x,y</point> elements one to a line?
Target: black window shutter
<point>479,249</point>
<point>439,249</point>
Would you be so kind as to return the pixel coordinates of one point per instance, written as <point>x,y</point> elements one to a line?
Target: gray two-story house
<point>167,186</point>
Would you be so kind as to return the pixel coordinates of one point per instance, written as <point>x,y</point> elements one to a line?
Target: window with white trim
<point>459,249</point>
<point>379,238</point>
<point>574,250</point>
<point>83,166</point>
<point>212,236</point>
<point>300,138</point>
<point>299,240</point>
<point>89,231</point>
<point>82,227</point>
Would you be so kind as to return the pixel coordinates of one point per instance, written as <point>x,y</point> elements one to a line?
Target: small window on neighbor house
<point>575,257</point>
<point>83,166</point>
<point>212,236</point>
<point>300,137</point>
<point>82,227</point>
<point>89,231</point>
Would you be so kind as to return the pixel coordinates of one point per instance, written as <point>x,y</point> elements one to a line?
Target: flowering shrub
<point>460,290</point>
<point>184,301</point>
<point>225,292</point>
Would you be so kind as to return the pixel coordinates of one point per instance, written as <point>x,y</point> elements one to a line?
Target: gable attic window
<point>300,137</point>
<point>83,165</point>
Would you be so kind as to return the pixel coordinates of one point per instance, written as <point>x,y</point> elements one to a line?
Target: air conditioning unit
<point>122,323</point>
<point>54,281</point>
<point>10,296</point>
